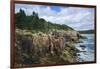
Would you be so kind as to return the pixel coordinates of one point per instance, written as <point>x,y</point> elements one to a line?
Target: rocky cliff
<point>46,48</point>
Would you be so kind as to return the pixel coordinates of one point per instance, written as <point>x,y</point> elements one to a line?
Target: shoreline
<point>85,54</point>
<point>46,48</point>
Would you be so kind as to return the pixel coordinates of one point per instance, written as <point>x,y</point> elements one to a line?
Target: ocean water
<point>86,48</point>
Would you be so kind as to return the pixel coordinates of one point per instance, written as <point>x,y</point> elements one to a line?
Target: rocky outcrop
<point>55,47</point>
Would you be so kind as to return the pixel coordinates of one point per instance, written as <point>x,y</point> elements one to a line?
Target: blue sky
<point>76,17</point>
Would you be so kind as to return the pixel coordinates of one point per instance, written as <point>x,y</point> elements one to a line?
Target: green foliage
<point>20,19</point>
<point>33,22</point>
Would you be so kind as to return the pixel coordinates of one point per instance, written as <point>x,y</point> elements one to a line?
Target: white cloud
<point>76,17</point>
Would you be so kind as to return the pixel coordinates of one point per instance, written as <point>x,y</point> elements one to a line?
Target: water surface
<point>87,52</point>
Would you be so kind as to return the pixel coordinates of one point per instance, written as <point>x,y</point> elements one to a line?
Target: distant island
<point>86,32</point>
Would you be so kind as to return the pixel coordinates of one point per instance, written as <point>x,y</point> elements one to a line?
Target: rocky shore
<point>53,47</point>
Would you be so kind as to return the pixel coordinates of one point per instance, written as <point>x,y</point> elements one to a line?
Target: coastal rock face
<point>70,35</point>
<point>54,47</point>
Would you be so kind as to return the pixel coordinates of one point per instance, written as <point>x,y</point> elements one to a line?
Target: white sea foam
<point>86,54</point>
